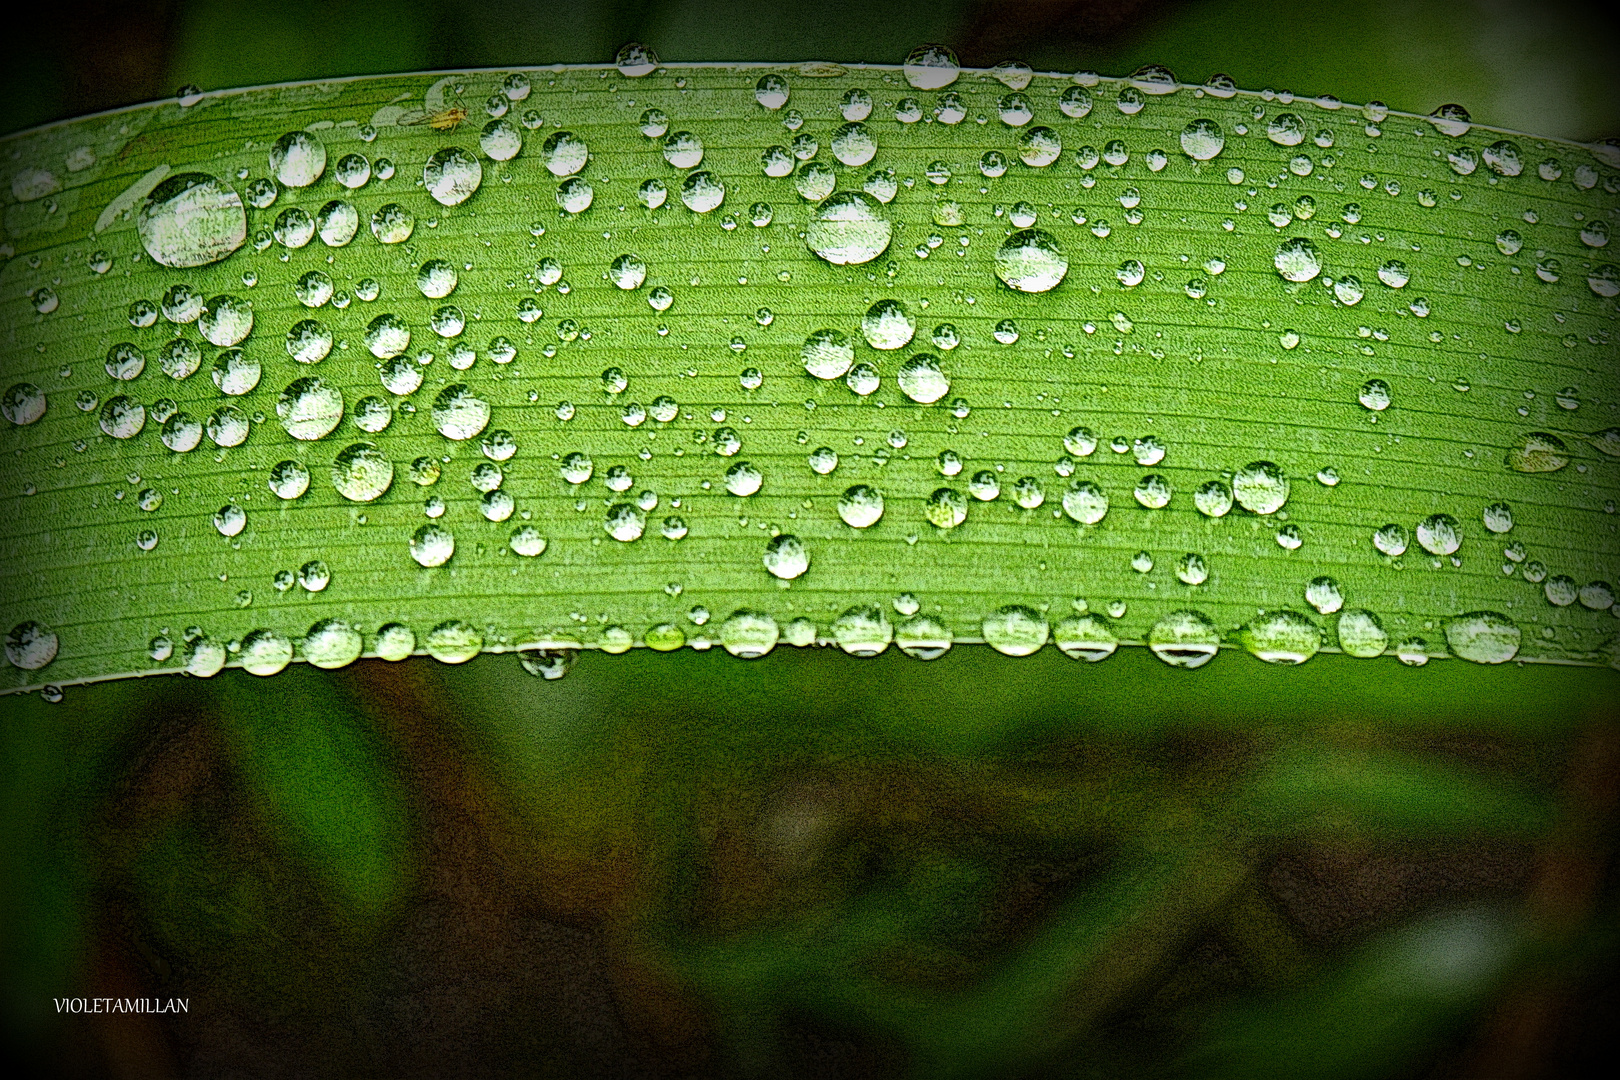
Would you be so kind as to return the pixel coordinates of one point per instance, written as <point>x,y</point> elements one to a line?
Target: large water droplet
<point>921,379</point>
<point>23,403</point>
<point>1085,637</point>
<point>191,219</point>
<point>827,354</point>
<point>1324,594</point>
<point>332,643</point>
<point>1260,487</point>
<point>432,545</point>
<point>1281,637</point>
<point>848,228</point>
<point>564,153</point>
<point>454,642</point>
<point>627,272</point>
<point>297,159</point>
<point>635,60</point>
<point>1361,634</point>
<point>391,223</point>
<point>1184,639</point>
<point>458,413</point>
<point>702,192</point>
<point>1031,261</point>
<point>225,321</point>
<point>1438,534</point>
<point>624,522</point>
<point>1202,140</point>
<point>923,637</point>
<point>860,506</point>
<point>309,408</point>
<point>853,145</point>
<point>887,325</point>
<point>451,175</point>
<point>785,557</point>
<point>265,652</point>
<point>1451,120</point>
<point>771,91</point>
<point>289,479</point>
<point>931,67</point>
<point>31,646</point>
<point>749,634</point>
<point>1485,637</point>
<point>1297,260</point>
<point>122,418</point>
<point>1085,502</point>
<point>395,641</point>
<point>863,630</point>
<point>1539,452</point>
<point>500,140</point>
<point>1015,630</point>
<point>361,473</point>
<point>946,508</point>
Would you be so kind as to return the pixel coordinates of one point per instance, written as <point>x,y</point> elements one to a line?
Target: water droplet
<point>633,60</point>
<point>454,642</point>
<point>1324,594</point>
<point>1281,637</point>
<point>627,272</point>
<point>121,418</point>
<point>297,159</point>
<point>1202,140</point>
<point>887,325</point>
<point>1085,502</point>
<point>432,545</point>
<point>702,192</point>
<point>1297,260</point>
<point>458,413</point>
<point>1191,569</point>
<point>1451,120</point>
<point>856,104</point>
<point>1031,261</point>
<point>1184,639</point>
<point>1437,534</point>
<point>265,652</point>
<point>848,229</point>
<point>1539,452</point>
<point>785,557</point>
<point>744,478</point>
<point>853,144</point>
<point>1605,280</point>
<point>309,409</point>
<point>395,641</point>
<point>289,479</point>
<point>1485,637</point>
<point>860,506</point>
<point>191,219</point>
<point>930,67</point>
<point>23,403</point>
<point>1374,395</point>
<point>946,508</point>
<point>921,379</point>
<point>1153,491</point>
<point>1015,630</point>
<point>1260,487</point>
<point>30,645</point>
<point>1085,637</point>
<point>361,473</point>
<point>203,656</point>
<point>564,153</point>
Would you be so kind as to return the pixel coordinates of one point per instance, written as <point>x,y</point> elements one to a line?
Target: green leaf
<point>1232,303</point>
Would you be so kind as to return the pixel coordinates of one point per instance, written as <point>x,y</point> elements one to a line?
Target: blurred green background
<point>809,865</point>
